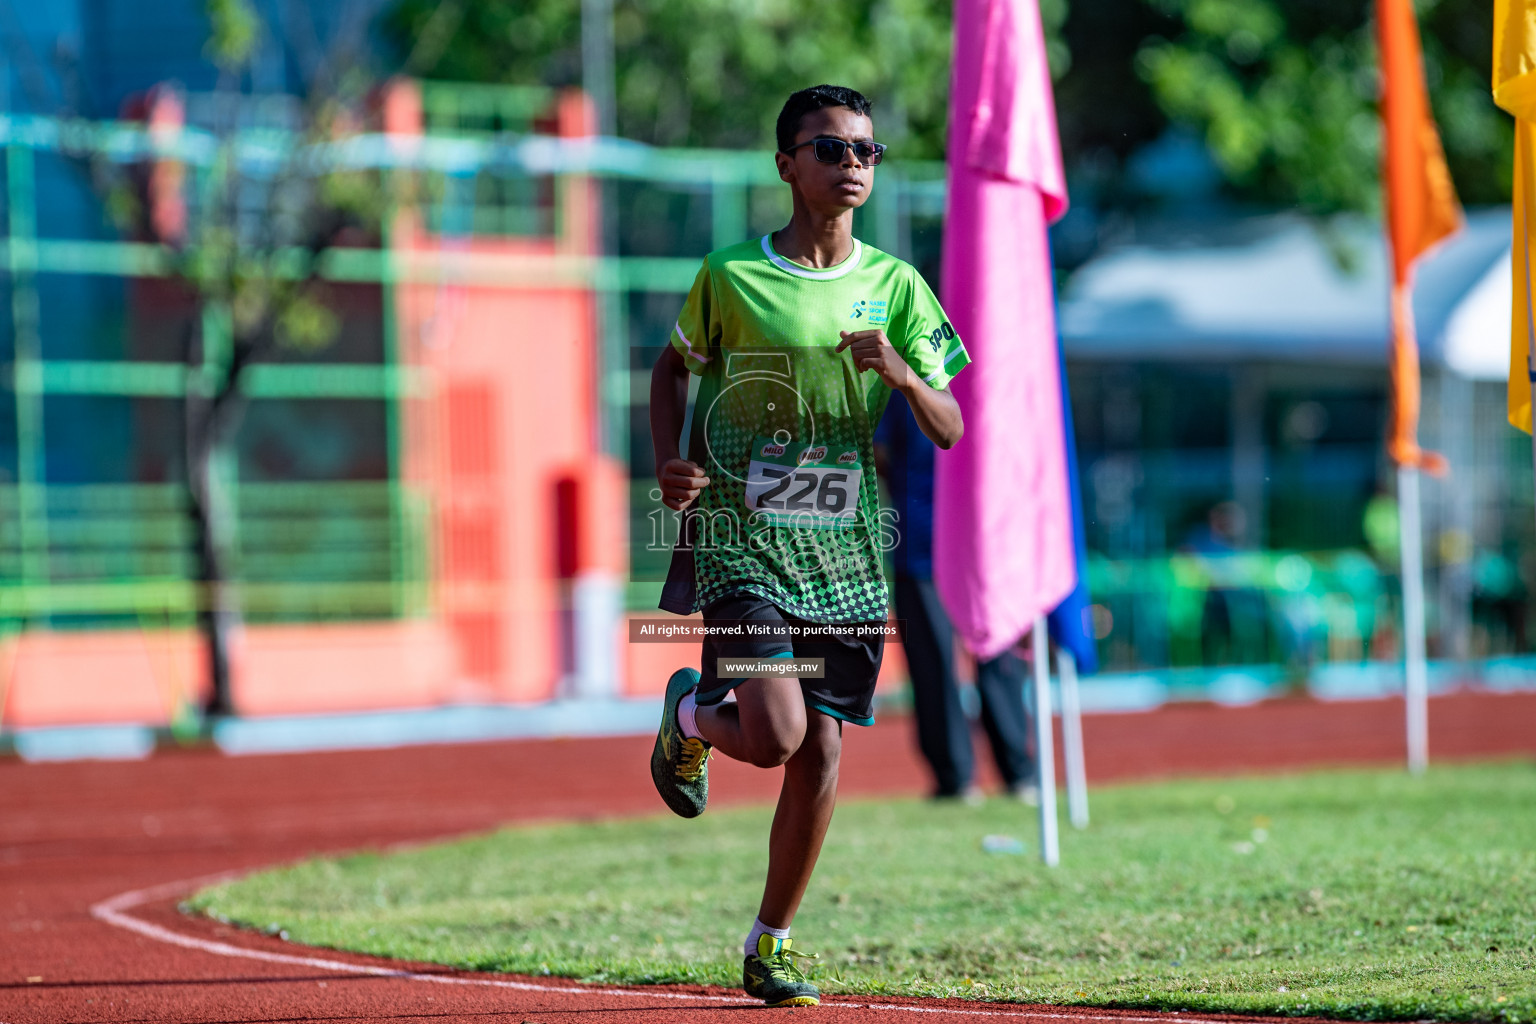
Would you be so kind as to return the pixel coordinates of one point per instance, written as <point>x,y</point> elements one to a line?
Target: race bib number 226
<point>804,485</point>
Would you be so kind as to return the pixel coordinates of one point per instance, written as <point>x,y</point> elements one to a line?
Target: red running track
<point>128,839</point>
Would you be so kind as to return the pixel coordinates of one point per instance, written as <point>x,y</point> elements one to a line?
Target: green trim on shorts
<point>841,716</point>
<point>717,696</point>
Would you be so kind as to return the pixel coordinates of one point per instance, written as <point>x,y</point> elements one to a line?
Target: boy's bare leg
<point>763,727</point>
<point>769,725</point>
<point>800,822</point>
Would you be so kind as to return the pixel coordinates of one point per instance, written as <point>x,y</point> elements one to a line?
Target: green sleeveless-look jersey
<point>783,426</point>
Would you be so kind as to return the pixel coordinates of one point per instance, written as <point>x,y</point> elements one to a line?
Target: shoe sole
<point>682,809</point>
<point>795,1001</point>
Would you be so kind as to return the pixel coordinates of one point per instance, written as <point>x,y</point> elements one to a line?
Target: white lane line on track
<point>114,911</point>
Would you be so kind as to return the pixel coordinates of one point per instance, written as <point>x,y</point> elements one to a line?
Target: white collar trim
<point>812,273</point>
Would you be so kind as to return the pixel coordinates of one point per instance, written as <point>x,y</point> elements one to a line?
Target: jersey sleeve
<point>925,339</point>
<point>696,335</point>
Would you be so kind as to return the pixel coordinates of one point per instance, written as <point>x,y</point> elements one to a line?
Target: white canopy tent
<point>1281,290</point>
<point>1476,340</point>
<point>1275,289</point>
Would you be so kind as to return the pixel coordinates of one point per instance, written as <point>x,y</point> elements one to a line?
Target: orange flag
<point>1421,210</point>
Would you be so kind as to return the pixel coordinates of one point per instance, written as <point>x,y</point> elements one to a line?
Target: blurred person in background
<point>1232,620</point>
<point>905,458</point>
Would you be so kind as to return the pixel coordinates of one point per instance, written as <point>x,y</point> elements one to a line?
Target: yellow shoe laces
<point>695,753</point>
<point>782,963</point>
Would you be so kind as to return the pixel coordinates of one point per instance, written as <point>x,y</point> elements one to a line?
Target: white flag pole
<point>1072,739</point>
<point>1411,558</point>
<point>1045,746</point>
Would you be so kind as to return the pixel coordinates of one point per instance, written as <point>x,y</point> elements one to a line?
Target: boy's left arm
<point>935,409</point>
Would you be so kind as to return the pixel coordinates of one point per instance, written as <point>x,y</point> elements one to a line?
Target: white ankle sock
<point>758,928</point>
<point>685,715</point>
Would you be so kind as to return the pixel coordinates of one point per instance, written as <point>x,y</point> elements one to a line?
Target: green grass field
<point>1366,895</point>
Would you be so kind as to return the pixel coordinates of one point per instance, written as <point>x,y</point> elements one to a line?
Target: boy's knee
<point>773,749</point>
<point>773,722</point>
<point>823,742</point>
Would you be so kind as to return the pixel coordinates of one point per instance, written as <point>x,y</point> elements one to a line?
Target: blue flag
<point>1070,623</point>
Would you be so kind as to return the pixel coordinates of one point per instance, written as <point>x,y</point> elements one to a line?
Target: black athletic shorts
<point>851,656</point>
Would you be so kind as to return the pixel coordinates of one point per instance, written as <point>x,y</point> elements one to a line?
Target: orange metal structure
<point>502,436</point>
<point>500,433</point>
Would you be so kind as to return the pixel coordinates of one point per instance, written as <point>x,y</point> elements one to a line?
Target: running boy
<point>798,339</point>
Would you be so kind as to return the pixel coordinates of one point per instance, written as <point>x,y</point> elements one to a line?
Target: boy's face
<point>830,188</point>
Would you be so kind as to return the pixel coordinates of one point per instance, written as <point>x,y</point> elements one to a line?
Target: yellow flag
<point>1514,89</point>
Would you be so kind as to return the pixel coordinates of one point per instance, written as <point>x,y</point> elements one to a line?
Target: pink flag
<point>1002,545</point>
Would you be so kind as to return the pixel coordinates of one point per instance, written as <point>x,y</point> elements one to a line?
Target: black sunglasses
<point>830,151</point>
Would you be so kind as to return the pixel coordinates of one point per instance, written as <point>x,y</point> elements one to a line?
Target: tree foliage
<point>1283,92</point>
<point>234,31</point>
<point>1286,94</point>
<point>712,72</point>
<point>243,241</point>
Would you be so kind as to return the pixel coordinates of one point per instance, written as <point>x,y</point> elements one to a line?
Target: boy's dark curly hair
<point>817,97</point>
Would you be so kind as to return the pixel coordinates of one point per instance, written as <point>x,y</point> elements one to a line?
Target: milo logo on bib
<point>796,485</point>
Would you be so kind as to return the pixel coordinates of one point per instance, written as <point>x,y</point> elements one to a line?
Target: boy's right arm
<point>680,480</point>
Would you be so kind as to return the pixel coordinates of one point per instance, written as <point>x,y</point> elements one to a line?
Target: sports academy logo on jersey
<point>939,335</point>
<point>873,312</point>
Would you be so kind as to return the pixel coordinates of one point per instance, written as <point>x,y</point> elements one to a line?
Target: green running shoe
<point>679,765</point>
<point>773,976</point>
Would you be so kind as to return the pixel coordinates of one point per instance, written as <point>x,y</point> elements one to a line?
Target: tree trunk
<point>214,408</point>
<point>212,411</point>
<point>218,614</point>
